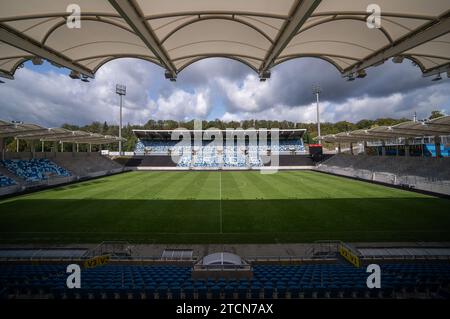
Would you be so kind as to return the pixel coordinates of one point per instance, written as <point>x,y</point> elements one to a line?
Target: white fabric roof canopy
<point>23,131</point>
<point>436,127</point>
<point>259,33</point>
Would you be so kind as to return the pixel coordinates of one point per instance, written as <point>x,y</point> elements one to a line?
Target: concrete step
<point>4,171</point>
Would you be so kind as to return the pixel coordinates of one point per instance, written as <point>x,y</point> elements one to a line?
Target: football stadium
<point>232,210</point>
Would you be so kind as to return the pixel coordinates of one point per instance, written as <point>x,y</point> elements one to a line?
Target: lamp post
<point>317,91</point>
<point>121,90</point>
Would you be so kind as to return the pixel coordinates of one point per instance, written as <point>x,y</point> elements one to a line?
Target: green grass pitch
<point>223,207</point>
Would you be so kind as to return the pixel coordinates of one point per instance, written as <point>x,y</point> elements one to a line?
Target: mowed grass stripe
<point>230,188</point>
<point>184,207</point>
<point>345,187</point>
<point>118,186</point>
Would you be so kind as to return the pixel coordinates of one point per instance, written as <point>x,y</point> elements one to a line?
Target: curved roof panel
<point>259,33</point>
<point>24,131</point>
<point>436,127</point>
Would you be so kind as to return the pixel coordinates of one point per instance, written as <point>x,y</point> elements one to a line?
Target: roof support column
<point>32,148</point>
<point>17,145</point>
<point>2,147</point>
<point>42,146</point>
<point>407,147</point>
<point>383,148</point>
<point>430,32</point>
<point>90,148</point>
<point>437,144</point>
<point>130,13</point>
<point>62,147</point>
<point>298,17</point>
<point>21,41</point>
<point>351,148</point>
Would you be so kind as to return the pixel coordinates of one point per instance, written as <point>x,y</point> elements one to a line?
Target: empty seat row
<point>5,181</point>
<point>268,281</point>
<point>35,169</point>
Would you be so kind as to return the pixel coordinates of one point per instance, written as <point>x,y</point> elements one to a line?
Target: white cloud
<point>388,91</point>
<point>182,105</point>
<point>52,99</point>
<point>397,105</point>
<point>248,96</point>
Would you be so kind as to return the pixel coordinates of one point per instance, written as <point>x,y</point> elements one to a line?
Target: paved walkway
<point>244,250</point>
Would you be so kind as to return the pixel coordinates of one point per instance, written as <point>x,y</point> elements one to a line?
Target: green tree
<point>435,114</point>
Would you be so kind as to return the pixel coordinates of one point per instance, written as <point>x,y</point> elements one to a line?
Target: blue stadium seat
<point>210,155</point>
<point>5,181</point>
<point>309,281</point>
<point>34,170</point>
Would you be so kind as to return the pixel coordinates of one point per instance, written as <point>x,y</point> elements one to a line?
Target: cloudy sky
<point>220,88</point>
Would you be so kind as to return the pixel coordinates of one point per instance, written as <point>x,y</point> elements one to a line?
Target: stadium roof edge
<point>140,133</point>
<point>209,130</point>
<point>23,131</point>
<point>177,33</point>
<point>410,129</point>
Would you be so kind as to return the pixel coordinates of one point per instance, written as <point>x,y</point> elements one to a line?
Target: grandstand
<point>227,230</point>
<point>237,150</point>
<point>32,169</point>
<point>417,172</point>
<point>296,278</point>
<point>410,154</point>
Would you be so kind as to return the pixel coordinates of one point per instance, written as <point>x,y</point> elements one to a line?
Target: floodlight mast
<point>317,91</point>
<point>121,90</point>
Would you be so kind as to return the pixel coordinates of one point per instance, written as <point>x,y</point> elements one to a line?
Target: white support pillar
<point>17,145</point>
<point>62,147</point>
<point>78,147</point>
<point>42,147</point>
<point>90,148</point>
